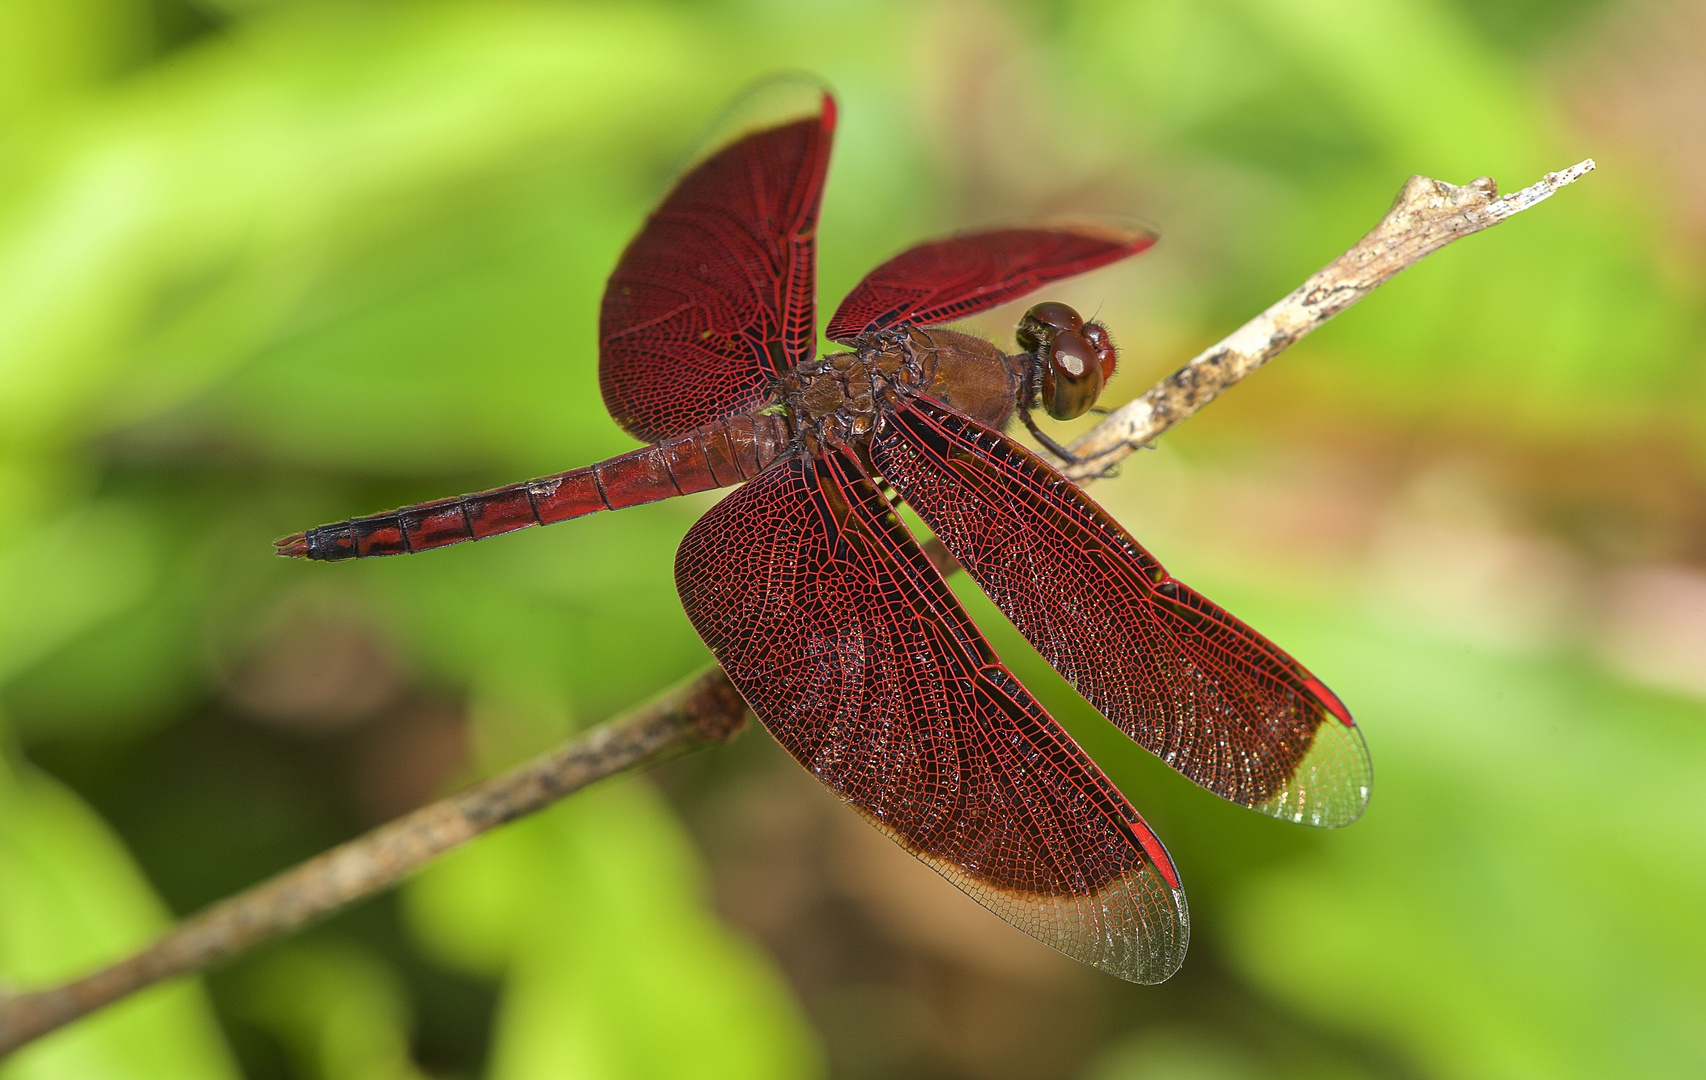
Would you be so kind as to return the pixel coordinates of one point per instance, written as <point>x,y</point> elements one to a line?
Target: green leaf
<point>612,967</point>
<point>340,1010</point>
<point>1523,896</point>
<point>63,577</point>
<point>53,52</point>
<point>71,900</point>
<point>170,234</point>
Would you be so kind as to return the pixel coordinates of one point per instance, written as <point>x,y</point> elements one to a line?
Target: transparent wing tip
<point>1331,786</point>
<point>770,102</point>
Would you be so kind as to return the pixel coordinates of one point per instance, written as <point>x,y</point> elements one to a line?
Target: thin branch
<point>1427,215</point>
<point>704,710</point>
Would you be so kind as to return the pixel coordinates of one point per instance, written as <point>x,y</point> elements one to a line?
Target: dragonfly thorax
<point>841,397</point>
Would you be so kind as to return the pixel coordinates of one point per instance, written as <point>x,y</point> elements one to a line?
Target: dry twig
<point>704,710</point>
<point>1427,215</point>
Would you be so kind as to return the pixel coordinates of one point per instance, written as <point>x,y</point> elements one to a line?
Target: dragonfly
<point>816,598</point>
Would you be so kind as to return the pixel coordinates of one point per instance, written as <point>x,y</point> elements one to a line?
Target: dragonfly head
<point>1074,358</point>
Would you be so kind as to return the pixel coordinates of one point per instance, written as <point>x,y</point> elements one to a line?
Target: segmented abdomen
<point>721,453</point>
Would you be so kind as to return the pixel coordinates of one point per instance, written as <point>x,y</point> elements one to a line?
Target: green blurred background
<point>269,264</point>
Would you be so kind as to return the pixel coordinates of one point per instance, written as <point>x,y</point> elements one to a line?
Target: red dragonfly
<point>820,605</point>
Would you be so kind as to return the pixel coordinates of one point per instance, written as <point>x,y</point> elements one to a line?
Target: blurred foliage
<point>267,263</point>
<point>613,967</point>
<point>70,898</point>
<point>340,1012</point>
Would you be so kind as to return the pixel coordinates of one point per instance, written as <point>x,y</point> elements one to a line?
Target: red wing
<point>963,275</point>
<point>855,654</point>
<point>1208,695</point>
<point>714,298</point>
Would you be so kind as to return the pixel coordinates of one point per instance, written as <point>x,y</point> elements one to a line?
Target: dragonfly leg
<point>1053,447</point>
<point>1068,456</point>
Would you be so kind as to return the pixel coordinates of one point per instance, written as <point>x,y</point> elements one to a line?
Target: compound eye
<point>1097,335</point>
<point>1043,321</point>
<point>1059,316</point>
<point>1072,376</point>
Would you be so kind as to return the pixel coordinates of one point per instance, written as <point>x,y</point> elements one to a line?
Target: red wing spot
<point>1158,856</point>
<point>1331,700</point>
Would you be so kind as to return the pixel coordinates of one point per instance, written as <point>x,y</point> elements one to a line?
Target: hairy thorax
<point>841,397</point>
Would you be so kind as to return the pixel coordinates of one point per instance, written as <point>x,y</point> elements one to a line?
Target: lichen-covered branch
<point>1427,215</point>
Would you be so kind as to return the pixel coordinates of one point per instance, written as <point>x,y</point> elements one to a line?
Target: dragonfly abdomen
<point>721,453</point>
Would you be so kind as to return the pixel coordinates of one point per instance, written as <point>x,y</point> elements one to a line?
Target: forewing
<point>1211,697</point>
<point>714,298</point>
<point>963,275</point>
<point>855,654</point>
